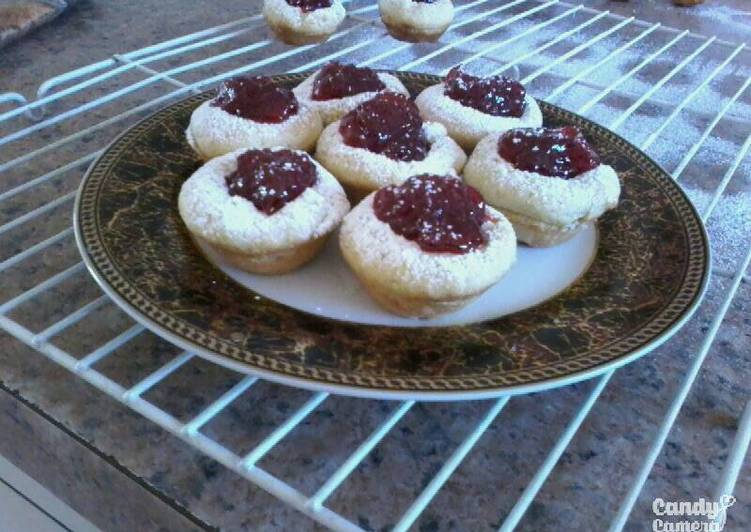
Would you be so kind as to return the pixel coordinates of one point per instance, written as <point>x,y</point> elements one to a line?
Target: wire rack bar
<point>149,71</point>
<point>49,175</point>
<point>48,85</point>
<point>104,350</point>
<point>37,212</point>
<point>313,506</point>
<point>675,406</point>
<point>282,430</point>
<point>571,53</point>
<point>708,130</point>
<point>41,287</point>
<point>129,64</point>
<point>459,24</point>
<point>609,57</point>
<point>338,53</point>
<point>136,59</point>
<point>143,107</point>
<point>657,86</point>
<point>220,404</point>
<point>477,34</point>
<point>422,501</point>
<point>172,72</point>
<point>69,320</point>
<point>738,453</point>
<point>36,248</point>
<point>276,487</point>
<point>529,493</point>
<point>667,29</point>
<point>454,26</point>
<point>729,174</point>
<point>12,97</point>
<point>341,474</point>
<point>688,99</point>
<point>628,75</point>
<point>133,59</point>
<point>259,477</point>
<point>529,31</point>
<point>159,375</point>
<point>561,37</point>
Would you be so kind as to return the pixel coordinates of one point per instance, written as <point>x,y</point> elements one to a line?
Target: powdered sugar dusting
<point>363,168</point>
<point>401,263</point>
<point>212,213</point>
<point>213,132</point>
<point>417,14</point>
<point>331,110</point>
<point>548,199</point>
<point>469,125</point>
<point>320,21</point>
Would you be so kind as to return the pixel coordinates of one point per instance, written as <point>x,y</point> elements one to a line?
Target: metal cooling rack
<point>682,97</point>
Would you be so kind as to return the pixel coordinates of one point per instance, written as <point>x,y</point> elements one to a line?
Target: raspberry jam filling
<point>271,179</point>
<point>388,124</point>
<point>440,214</point>
<point>336,80</point>
<point>494,95</point>
<point>309,5</point>
<point>257,99</point>
<point>562,152</point>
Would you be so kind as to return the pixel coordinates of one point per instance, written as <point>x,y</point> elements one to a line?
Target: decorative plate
<point>561,315</point>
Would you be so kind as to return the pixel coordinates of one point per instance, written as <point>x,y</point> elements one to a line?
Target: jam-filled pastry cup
<point>265,211</point>
<point>252,112</point>
<point>338,88</point>
<point>416,20</point>
<point>428,246</point>
<point>549,183</point>
<point>473,107</point>
<point>383,141</point>
<point>303,21</point>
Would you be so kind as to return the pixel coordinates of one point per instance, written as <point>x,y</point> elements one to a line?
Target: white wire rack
<point>683,97</point>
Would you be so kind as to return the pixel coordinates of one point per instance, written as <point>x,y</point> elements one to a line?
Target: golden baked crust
<point>412,306</point>
<point>408,33</point>
<point>274,262</point>
<point>538,234</point>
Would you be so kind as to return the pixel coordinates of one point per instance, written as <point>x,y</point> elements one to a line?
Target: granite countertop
<point>123,472</point>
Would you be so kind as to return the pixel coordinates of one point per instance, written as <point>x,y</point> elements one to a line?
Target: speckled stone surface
<point>70,469</point>
<point>585,489</point>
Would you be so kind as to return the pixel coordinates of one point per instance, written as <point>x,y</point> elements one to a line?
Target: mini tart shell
<point>294,26</point>
<point>544,210</point>
<point>466,125</point>
<point>416,21</point>
<point>248,238</point>
<point>332,110</point>
<point>361,171</point>
<point>408,281</point>
<point>213,132</point>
